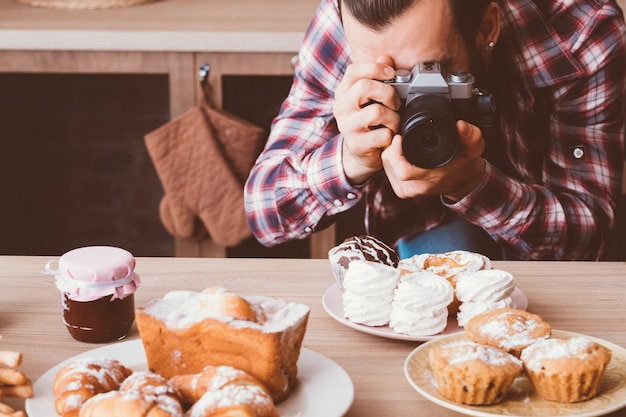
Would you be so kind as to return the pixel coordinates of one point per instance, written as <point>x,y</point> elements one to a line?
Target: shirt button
<point>308,229</point>
<point>351,196</point>
<point>320,122</point>
<point>338,203</point>
<point>578,152</point>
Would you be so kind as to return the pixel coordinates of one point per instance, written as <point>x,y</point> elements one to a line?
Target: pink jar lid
<point>93,272</point>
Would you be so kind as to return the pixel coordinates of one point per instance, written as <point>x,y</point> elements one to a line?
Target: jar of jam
<point>97,284</point>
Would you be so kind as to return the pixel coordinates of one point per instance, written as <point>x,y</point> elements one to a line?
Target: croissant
<point>83,378</point>
<point>143,394</point>
<point>224,391</point>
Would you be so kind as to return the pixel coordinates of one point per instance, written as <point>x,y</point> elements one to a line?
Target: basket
<point>83,4</point>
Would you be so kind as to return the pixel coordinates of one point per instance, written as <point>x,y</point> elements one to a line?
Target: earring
<point>489,46</point>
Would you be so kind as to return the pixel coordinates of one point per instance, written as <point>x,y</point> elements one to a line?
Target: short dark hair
<point>378,14</point>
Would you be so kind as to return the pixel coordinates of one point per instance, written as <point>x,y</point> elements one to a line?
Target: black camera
<point>431,105</point>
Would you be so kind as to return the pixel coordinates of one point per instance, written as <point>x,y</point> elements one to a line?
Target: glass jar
<point>97,284</point>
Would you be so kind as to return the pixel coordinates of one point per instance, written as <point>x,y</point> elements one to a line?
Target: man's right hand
<point>366,111</point>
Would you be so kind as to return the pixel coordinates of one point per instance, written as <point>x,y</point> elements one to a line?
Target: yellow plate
<point>521,400</point>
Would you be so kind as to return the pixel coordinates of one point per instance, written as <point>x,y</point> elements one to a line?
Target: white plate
<point>323,387</point>
<point>333,304</point>
<point>521,400</point>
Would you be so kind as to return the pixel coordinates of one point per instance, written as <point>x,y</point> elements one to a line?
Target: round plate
<point>323,387</point>
<point>333,304</point>
<point>521,400</point>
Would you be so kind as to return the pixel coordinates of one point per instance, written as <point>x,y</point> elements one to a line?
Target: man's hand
<point>453,180</point>
<point>366,112</point>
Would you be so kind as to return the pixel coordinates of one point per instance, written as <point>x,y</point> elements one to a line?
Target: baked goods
<point>185,331</point>
<point>508,329</point>
<point>447,265</point>
<point>13,382</point>
<point>566,370</point>
<point>82,379</point>
<point>218,389</point>
<point>420,304</point>
<point>481,291</point>
<point>471,373</point>
<point>142,394</point>
<point>365,248</point>
<point>369,288</point>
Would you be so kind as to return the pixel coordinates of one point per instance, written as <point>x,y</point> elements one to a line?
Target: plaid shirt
<point>560,204</point>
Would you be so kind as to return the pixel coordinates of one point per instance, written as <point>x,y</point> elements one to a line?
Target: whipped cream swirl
<point>420,304</point>
<point>481,291</point>
<point>368,291</point>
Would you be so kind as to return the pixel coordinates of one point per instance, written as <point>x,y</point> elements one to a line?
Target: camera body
<point>431,105</point>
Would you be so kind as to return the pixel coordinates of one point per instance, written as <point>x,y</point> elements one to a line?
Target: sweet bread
<point>84,378</point>
<point>185,331</point>
<point>508,329</point>
<point>143,394</point>
<point>224,391</point>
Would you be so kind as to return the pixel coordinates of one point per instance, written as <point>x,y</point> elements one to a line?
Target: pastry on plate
<point>368,291</point>
<point>420,304</point>
<point>481,291</point>
<point>220,390</point>
<point>363,247</point>
<point>185,331</point>
<point>142,394</point>
<point>447,265</point>
<point>471,373</point>
<point>566,370</point>
<point>508,329</point>
<point>81,379</point>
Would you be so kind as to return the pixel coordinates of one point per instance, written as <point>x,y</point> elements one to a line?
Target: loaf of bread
<point>185,331</point>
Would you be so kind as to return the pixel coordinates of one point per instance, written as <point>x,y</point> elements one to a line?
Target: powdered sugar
<point>466,351</point>
<point>511,335</point>
<point>577,347</point>
<point>181,309</point>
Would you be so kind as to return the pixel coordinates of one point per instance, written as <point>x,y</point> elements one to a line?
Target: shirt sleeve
<point>298,179</point>
<point>569,209</point>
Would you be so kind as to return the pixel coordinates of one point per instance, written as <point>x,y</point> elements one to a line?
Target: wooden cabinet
<point>171,37</point>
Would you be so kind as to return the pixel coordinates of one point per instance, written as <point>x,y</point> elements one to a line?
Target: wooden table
<point>582,297</point>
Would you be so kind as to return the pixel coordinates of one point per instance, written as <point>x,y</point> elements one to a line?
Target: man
<point>548,184</point>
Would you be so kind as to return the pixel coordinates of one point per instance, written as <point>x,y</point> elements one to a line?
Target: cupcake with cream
<point>368,291</point>
<point>365,248</point>
<point>481,291</point>
<point>420,304</point>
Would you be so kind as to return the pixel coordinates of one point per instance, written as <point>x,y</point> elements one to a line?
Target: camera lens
<point>429,135</point>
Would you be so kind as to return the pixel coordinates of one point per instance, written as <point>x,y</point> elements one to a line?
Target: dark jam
<point>101,320</point>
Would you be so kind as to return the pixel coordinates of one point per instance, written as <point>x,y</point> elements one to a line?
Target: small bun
<point>508,329</point>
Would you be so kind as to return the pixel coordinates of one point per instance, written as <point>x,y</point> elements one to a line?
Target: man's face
<point>424,33</point>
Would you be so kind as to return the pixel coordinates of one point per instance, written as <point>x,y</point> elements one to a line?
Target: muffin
<point>508,329</point>
<point>471,373</point>
<point>566,370</point>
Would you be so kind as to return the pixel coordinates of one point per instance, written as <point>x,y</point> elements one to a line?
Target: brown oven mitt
<point>203,158</point>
